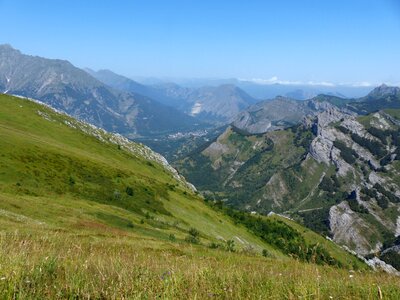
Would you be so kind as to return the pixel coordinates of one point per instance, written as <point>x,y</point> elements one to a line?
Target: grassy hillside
<point>84,213</point>
<point>239,168</point>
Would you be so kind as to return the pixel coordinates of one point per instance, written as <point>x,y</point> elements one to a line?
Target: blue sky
<point>320,41</point>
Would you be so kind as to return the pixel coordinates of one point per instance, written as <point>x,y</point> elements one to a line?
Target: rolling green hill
<point>85,213</point>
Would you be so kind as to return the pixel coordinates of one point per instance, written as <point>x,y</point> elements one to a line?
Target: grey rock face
<point>322,149</point>
<point>349,229</point>
<point>395,248</point>
<point>379,265</point>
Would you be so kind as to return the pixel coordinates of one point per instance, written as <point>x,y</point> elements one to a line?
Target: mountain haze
<point>210,103</point>
<point>379,98</point>
<point>276,114</point>
<point>65,87</point>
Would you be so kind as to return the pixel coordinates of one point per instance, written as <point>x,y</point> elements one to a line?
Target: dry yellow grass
<point>62,265</point>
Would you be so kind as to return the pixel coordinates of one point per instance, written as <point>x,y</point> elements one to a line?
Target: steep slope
<point>126,84</point>
<point>336,172</point>
<point>120,82</point>
<point>65,87</point>
<point>213,104</point>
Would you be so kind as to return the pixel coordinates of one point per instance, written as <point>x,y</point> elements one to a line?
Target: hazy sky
<point>331,41</point>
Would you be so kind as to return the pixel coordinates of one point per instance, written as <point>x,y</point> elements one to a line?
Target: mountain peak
<point>8,48</point>
<point>384,90</point>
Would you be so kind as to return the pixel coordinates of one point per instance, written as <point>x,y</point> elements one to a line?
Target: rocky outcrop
<point>322,148</point>
<point>395,249</point>
<point>216,149</point>
<point>330,115</point>
<point>397,232</point>
<point>380,121</point>
<point>379,265</point>
<point>350,230</point>
<point>342,167</point>
<point>346,225</point>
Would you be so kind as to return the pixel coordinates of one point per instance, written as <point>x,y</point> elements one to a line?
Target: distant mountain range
<point>301,91</point>
<point>65,87</point>
<point>267,89</point>
<point>284,112</point>
<point>211,103</point>
<point>381,97</point>
<point>276,114</point>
